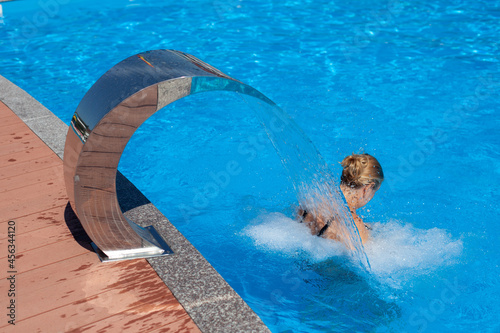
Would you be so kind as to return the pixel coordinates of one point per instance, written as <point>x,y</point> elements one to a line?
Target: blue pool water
<point>415,84</point>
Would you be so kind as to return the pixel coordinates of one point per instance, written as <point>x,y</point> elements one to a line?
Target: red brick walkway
<point>59,284</point>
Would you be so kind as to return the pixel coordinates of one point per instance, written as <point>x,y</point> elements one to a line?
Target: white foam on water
<point>278,233</point>
<point>397,251</point>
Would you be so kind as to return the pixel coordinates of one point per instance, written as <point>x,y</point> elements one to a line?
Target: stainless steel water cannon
<point>106,118</point>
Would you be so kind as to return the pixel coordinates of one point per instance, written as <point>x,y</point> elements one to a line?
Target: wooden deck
<point>58,282</point>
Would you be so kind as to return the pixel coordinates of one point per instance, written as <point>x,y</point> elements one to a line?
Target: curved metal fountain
<point>106,118</point>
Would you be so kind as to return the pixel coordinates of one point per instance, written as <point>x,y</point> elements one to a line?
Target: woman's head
<point>361,169</point>
<point>361,177</point>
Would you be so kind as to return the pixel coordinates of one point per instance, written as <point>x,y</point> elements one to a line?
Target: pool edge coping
<point>208,299</point>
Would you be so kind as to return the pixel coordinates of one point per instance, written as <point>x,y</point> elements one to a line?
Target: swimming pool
<point>414,84</point>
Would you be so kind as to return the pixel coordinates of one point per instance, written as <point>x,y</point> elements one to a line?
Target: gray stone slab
<point>49,130</point>
<point>207,297</point>
<point>42,122</point>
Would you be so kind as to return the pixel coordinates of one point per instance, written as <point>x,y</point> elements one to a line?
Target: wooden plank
<point>4,110</point>
<point>129,288</point>
<point>18,137</point>
<point>16,133</point>
<point>6,119</point>
<point>40,257</point>
<point>85,279</point>
<point>111,311</point>
<point>166,319</point>
<point>61,285</point>
<point>40,237</point>
<point>9,170</point>
<point>15,147</point>
<point>38,220</point>
<point>32,198</point>
<point>43,175</point>
<point>10,160</point>
<point>49,276</point>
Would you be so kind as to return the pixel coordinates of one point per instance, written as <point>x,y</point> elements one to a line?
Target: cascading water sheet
<point>314,184</point>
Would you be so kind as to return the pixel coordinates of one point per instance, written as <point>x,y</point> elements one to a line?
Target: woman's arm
<point>315,224</point>
<point>363,231</point>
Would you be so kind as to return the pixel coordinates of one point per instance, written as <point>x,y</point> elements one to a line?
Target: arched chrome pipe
<point>106,118</point>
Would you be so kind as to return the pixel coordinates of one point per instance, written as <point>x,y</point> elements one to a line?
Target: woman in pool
<point>361,177</point>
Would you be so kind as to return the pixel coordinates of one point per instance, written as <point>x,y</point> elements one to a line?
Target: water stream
<point>315,185</point>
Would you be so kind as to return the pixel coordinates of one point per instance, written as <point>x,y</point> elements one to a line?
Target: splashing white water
<point>316,187</point>
<point>397,251</point>
<point>280,234</point>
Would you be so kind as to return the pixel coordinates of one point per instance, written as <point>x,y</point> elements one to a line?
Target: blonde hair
<point>360,170</point>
